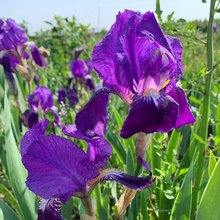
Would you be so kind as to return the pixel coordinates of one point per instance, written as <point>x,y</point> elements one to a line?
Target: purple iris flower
<point>58,169</point>
<point>81,70</point>
<point>142,65</point>
<point>11,35</point>
<point>70,94</point>
<point>13,41</point>
<point>62,96</point>
<point>41,98</point>
<point>77,68</point>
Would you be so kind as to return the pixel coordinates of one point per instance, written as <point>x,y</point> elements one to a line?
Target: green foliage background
<point>172,156</point>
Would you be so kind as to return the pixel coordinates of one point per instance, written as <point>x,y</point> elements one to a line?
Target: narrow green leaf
<point>67,209</point>
<point>199,139</point>
<point>6,213</point>
<point>117,118</point>
<point>21,99</point>
<point>143,206</point>
<point>117,145</point>
<point>16,171</point>
<point>209,204</point>
<point>173,145</point>
<point>182,205</point>
<point>9,197</point>
<point>130,162</point>
<point>212,162</point>
<point>218,121</point>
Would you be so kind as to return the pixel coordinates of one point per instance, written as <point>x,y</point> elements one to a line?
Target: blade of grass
<point>6,213</point>
<point>209,204</point>
<point>16,171</point>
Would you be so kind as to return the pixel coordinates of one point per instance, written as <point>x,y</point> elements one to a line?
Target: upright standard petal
<point>151,113</point>
<point>92,119</point>
<point>109,57</point>
<point>177,51</point>
<point>57,168</point>
<point>149,28</point>
<point>15,32</point>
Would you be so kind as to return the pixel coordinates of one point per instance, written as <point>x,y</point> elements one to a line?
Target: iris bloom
<point>70,94</point>
<point>41,98</point>
<point>142,65</point>
<point>13,42</point>
<point>81,70</point>
<point>58,169</point>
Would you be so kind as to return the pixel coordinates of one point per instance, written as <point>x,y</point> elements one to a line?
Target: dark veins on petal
<point>149,114</point>
<point>50,209</point>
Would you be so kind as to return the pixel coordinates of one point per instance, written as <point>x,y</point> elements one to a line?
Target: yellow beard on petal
<point>165,83</point>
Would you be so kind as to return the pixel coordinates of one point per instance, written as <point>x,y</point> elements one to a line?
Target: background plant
<point>174,157</point>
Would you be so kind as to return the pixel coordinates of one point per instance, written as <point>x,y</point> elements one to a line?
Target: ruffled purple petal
<point>149,28</point>
<point>50,209</point>
<point>109,58</point>
<point>33,135</point>
<point>57,168</point>
<point>185,116</point>
<point>135,55</point>
<point>152,113</point>
<point>15,32</point>
<point>37,56</point>
<point>92,119</point>
<point>177,51</point>
<point>12,35</point>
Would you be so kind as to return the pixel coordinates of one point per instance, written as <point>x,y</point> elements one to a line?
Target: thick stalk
<point>87,203</point>
<point>142,144</point>
<point>206,106</point>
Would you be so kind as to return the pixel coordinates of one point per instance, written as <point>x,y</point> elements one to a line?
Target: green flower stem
<point>206,107</point>
<point>87,203</point>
